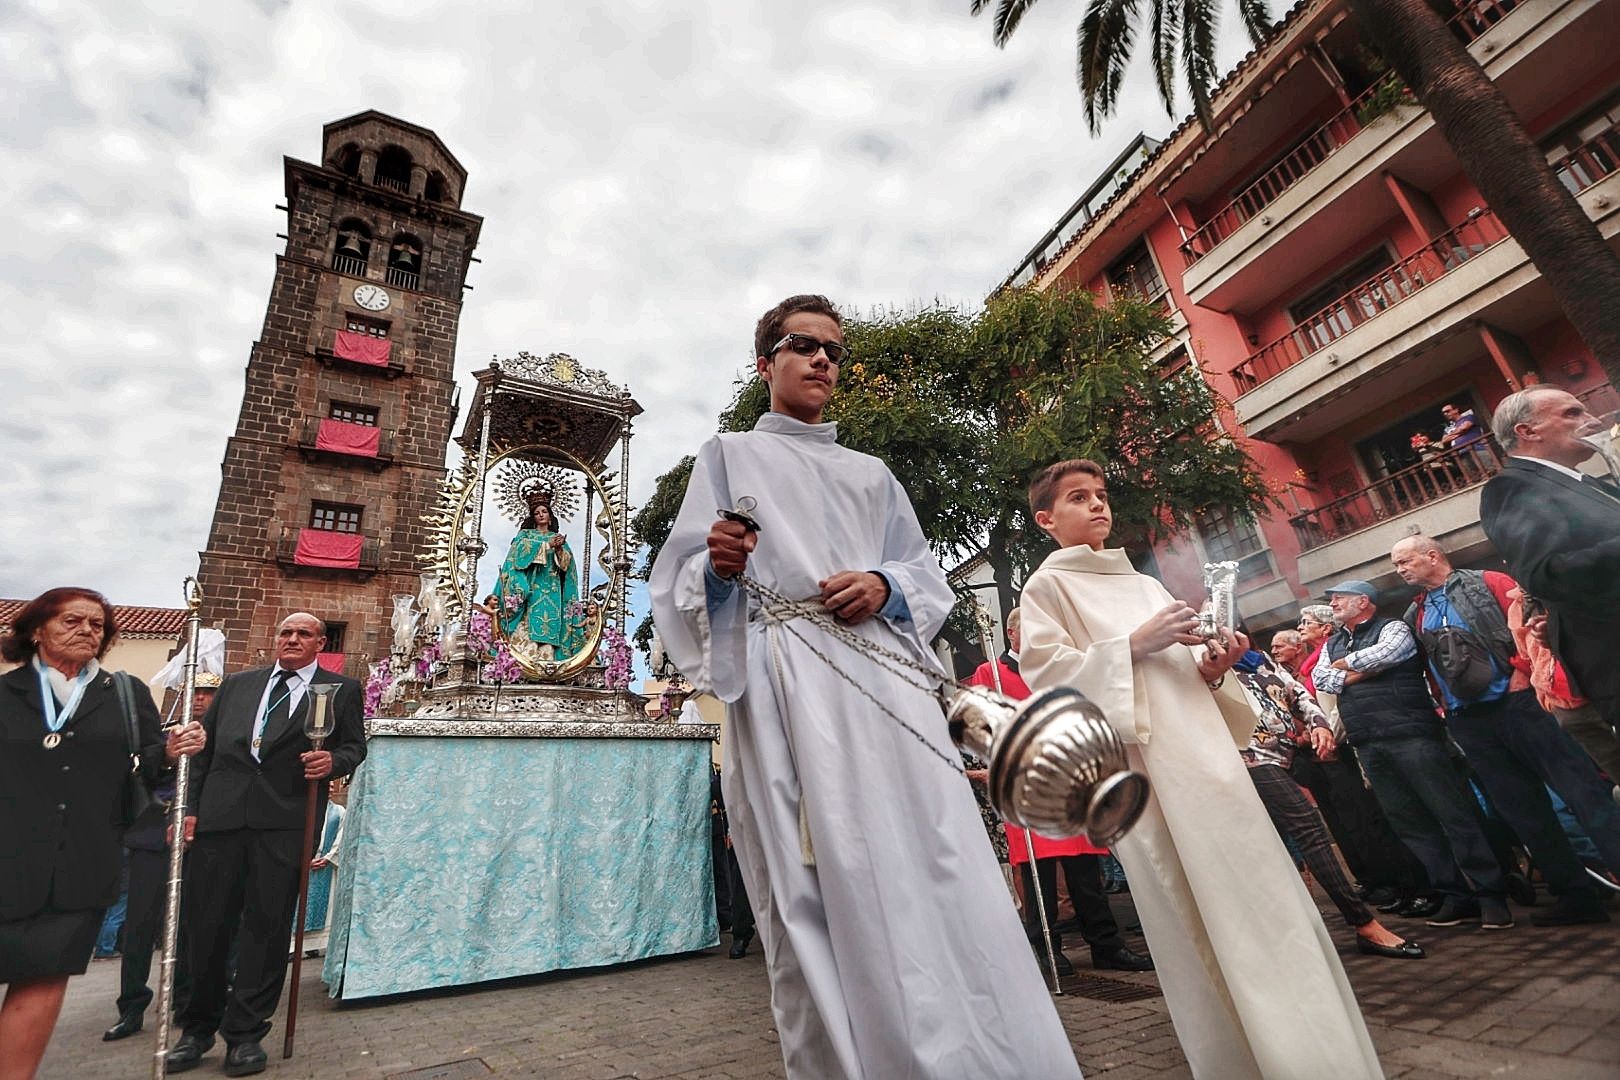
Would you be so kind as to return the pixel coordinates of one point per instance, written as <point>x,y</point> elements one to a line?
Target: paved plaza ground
<point>1531,1003</point>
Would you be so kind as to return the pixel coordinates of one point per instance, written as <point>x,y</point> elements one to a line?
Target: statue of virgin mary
<point>537,584</point>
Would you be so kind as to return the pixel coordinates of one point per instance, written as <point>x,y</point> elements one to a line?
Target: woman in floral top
<point>1285,717</point>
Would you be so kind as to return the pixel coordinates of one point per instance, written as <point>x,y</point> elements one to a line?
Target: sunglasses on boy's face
<point>805,345</point>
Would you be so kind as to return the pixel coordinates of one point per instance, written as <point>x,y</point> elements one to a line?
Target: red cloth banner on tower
<point>330,661</point>
<point>341,437</point>
<point>322,547</point>
<point>361,348</point>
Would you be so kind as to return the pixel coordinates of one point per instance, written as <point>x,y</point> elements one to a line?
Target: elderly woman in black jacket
<point>64,757</point>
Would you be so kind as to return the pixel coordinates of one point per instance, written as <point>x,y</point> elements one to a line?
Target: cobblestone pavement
<point>1527,1002</point>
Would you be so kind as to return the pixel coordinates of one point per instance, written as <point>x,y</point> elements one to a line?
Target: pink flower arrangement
<point>378,680</point>
<point>513,603</point>
<point>504,668</point>
<point>616,651</point>
<point>480,633</point>
<point>424,663</point>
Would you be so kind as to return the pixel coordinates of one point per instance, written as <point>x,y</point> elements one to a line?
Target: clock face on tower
<point>371,297</point>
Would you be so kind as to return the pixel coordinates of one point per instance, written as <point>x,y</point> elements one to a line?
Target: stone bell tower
<point>339,446</point>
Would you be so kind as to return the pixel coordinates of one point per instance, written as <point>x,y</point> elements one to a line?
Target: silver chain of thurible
<point>786,610</point>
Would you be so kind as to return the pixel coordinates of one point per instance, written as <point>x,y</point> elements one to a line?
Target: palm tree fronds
<point>1009,13</point>
<point>1199,21</point>
<point>1103,47</point>
<point>1256,19</point>
<point>1166,35</point>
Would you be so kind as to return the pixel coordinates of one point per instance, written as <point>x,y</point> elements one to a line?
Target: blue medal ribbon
<point>55,721</point>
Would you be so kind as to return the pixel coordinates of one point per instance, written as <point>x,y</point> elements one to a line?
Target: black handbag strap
<point>126,705</point>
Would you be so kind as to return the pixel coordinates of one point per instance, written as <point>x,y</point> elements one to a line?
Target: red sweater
<point>1013,685</point>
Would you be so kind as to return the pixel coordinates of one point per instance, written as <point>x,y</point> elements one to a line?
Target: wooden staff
<point>317,725</point>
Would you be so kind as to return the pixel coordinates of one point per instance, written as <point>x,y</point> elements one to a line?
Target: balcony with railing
<point>293,562</point>
<point>1474,19</point>
<point>394,183</point>
<point>1478,233</point>
<point>1437,477</point>
<point>1590,162</point>
<point>312,442</point>
<point>403,278</point>
<point>1311,151</point>
<point>349,264</point>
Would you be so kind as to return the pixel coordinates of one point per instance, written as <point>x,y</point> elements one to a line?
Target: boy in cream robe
<point>1253,982</point>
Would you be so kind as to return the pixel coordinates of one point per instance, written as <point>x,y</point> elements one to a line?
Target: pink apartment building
<point>1339,280</point>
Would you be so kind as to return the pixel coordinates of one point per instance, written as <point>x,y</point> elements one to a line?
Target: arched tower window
<point>405,262</point>
<point>347,160</point>
<point>353,249</point>
<point>394,168</point>
<point>435,190</point>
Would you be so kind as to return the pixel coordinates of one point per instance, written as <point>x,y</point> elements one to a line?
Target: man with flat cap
<point>246,803</point>
<point>1372,663</point>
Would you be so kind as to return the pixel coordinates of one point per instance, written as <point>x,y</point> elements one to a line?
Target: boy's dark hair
<point>1043,489</point>
<point>768,331</point>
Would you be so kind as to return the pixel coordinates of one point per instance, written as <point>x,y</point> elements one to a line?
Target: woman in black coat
<point>64,757</point>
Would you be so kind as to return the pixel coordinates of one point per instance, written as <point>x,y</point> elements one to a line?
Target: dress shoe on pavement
<point>1568,912</point>
<point>1455,912</point>
<point>1065,967</point>
<point>1119,958</point>
<point>244,1059</point>
<point>1420,907</point>
<point>187,1053</point>
<point>739,945</point>
<point>1393,905</point>
<point>1519,890</point>
<point>127,1025</point>
<point>1494,915</point>
<point>1406,950</point>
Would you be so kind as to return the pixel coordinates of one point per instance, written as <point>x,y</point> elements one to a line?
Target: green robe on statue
<point>534,590</point>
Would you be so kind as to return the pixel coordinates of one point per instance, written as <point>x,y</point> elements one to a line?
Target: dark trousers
<point>1371,850</point>
<point>722,882</point>
<point>1294,816</point>
<point>243,880</point>
<point>742,914</point>
<point>1091,910</point>
<point>1429,806</point>
<point>143,934</point>
<point>1519,751</point>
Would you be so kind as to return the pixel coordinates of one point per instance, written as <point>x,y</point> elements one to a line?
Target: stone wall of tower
<point>270,477</point>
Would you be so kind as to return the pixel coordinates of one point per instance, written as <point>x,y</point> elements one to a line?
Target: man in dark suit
<point>1559,532</point>
<point>247,796</point>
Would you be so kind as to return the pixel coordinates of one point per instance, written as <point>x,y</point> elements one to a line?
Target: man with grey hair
<point>1558,530</point>
<point>1483,683</point>
<point>1372,663</point>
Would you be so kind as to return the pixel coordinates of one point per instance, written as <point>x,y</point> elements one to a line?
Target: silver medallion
<point>52,740</point>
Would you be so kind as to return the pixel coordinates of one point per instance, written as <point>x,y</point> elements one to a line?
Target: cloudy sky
<point>651,175</point>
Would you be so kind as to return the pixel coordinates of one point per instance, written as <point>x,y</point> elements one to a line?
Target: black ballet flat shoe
<point>1120,959</point>
<point>245,1059</point>
<point>1406,950</point>
<point>739,946</point>
<point>127,1025</point>
<point>187,1053</point>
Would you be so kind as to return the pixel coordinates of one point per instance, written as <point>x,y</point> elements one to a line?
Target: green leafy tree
<point>1473,116</point>
<point>966,408</point>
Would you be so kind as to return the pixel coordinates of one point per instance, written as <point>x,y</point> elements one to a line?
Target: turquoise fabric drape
<point>533,593</point>
<point>469,859</point>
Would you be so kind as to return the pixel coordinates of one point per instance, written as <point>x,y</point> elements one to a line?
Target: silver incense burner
<point>1056,765</point>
